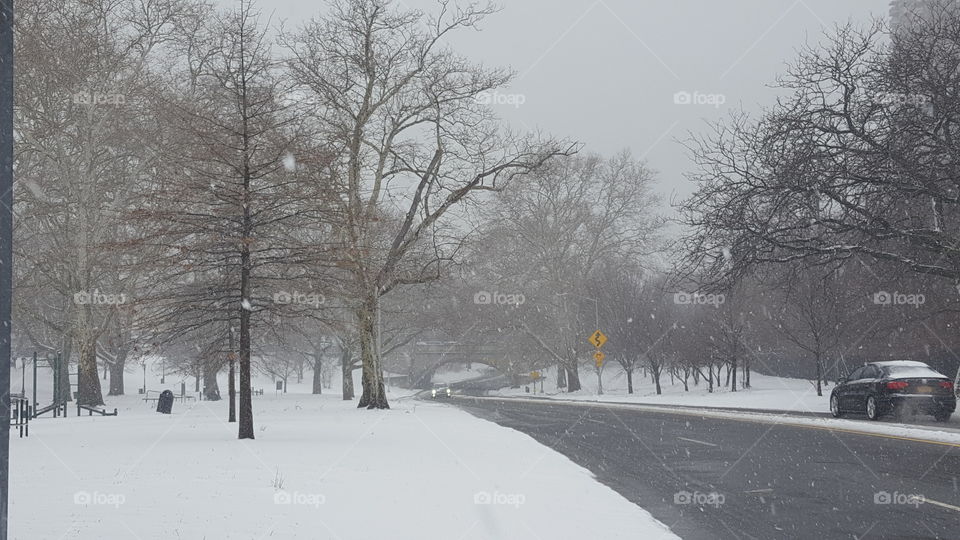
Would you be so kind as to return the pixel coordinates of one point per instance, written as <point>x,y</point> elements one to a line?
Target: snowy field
<point>319,469</point>
<point>476,371</point>
<point>765,393</point>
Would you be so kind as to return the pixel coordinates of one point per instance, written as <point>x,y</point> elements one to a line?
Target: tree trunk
<point>317,372</point>
<point>374,395</point>
<point>655,373</point>
<point>245,429</point>
<point>245,425</point>
<point>211,389</point>
<point>561,377</point>
<point>88,379</point>
<point>573,377</point>
<point>629,381</point>
<point>819,374</point>
<point>65,394</point>
<point>232,386</point>
<point>346,370</point>
<point>733,379</point>
<point>116,374</point>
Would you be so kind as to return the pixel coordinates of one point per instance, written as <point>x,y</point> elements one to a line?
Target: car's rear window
<point>911,372</point>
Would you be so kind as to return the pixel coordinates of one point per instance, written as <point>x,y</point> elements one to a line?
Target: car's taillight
<point>897,385</point>
<point>946,384</point>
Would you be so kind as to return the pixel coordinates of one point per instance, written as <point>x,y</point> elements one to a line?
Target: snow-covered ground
<point>318,469</point>
<point>765,393</point>
<point>461,373</point>
<point>948,436</point>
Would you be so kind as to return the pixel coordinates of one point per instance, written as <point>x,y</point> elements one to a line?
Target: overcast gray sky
<point>605,72</point>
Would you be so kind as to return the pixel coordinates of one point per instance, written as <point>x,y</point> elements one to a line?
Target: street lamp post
<point>6,248</point>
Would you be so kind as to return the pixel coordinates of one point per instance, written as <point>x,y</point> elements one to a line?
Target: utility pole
<point>6,248</point>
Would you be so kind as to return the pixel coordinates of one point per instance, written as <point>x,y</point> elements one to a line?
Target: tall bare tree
<point>413,140</point>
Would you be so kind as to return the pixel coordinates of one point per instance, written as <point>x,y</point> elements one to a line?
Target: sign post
<point>597,339</point>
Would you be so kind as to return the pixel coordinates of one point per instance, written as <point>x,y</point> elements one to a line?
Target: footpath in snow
<point>319,469</point>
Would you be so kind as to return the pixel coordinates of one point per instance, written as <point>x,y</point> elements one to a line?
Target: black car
<point>895,387</point>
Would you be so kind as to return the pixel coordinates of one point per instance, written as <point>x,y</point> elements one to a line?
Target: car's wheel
<point>835,406</point>
<point>873,412</point>
<point>942,417</point>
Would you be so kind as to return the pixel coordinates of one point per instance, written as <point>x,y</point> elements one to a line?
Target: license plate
<point>924,389</point>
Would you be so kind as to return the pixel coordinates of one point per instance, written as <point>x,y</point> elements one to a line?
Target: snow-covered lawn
<point>476,371</point>
<point>765,393</point>
<point>318,469</point>
<point>777,393</point>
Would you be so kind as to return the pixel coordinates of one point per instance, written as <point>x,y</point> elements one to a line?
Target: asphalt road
<point>710,478</point>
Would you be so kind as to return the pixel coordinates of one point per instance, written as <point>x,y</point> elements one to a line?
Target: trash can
<point>165,402</point>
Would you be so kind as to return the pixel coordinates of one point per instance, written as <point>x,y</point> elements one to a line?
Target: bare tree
<point>857,160</point>
<point>553,234</point>
<point>78,157</point>
<point>412,139</point>
<point>222,214</point>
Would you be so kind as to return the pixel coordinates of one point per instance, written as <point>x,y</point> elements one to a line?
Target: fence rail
<point>20,414</point>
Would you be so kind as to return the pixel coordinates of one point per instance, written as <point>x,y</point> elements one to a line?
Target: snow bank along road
<point>712,475</point>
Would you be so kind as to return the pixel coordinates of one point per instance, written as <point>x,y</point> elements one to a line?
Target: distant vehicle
<point>881,388</point>
<point>441,390</point>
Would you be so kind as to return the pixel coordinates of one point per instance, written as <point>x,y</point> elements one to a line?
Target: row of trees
<point>826,224</point>
<point>855,171</point>
<point>190,186</point>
